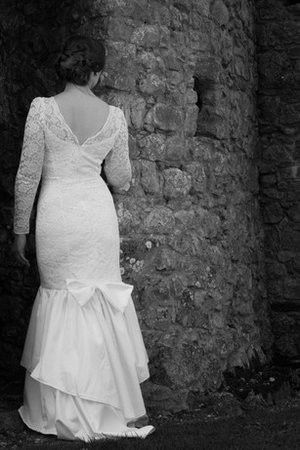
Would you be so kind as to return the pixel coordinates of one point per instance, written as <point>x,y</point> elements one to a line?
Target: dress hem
<point>98,436</point>
<point>134,417</point>
<point>84,397</point>
<point>31,427</point>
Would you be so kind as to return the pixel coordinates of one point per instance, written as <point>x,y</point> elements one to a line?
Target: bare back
<point>84,114</point>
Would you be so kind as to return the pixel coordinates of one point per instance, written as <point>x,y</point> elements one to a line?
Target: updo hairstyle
<point>80,56</point>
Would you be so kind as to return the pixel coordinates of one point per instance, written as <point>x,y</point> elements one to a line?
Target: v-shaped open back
<point>84,141</point>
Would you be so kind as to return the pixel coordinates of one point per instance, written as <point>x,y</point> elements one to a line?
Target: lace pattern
<point>30,167</point>
<point>110,144</point>
<point>117,165</point>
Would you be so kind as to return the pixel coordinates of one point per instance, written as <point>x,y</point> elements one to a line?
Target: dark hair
<point>80,56</point>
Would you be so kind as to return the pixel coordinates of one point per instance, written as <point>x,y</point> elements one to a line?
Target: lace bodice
<point>51,151</point>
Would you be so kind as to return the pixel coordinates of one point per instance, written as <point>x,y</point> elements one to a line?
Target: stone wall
<point>184,72</point>
<point>279,119</point>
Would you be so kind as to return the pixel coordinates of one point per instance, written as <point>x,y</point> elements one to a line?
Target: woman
<point>84,353</point>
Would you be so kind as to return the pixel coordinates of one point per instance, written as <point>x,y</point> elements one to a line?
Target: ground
<point>247,414</point>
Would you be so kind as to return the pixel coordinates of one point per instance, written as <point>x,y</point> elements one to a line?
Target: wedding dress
<point>84,353</point>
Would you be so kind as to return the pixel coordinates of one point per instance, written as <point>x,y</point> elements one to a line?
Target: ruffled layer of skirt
<point>85,359</point>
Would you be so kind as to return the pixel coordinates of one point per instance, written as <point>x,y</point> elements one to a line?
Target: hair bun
<point>81,55</point>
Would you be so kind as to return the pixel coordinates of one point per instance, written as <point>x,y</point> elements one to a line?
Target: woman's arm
<point>28,176</point>
<point>117,165</point>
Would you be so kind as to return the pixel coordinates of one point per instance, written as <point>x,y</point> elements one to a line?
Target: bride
<point>84,353</point>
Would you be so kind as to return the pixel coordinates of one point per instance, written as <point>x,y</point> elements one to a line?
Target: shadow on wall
<point>31,34</point>
<point>279,124</point>
<point>204,88</point>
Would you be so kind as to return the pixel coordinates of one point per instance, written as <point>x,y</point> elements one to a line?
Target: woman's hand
<point>18,249</point>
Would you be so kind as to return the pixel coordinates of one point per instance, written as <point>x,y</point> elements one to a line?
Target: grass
<point>268,430</point>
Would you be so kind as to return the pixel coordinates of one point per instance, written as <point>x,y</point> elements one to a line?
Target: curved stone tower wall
<point>184,73</point>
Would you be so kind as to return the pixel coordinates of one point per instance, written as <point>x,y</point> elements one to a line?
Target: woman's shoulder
<point>118,112</point>
<point>40,99</point>
<point>39,102</point>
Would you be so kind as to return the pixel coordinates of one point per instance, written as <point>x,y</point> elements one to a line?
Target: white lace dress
<point>84,352</point>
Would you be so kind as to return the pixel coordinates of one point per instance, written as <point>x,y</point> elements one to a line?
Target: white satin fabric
<point>84,353</point>
<point>85,359</point>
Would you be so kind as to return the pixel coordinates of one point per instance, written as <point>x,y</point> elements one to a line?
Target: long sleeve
<point>30,167</point>
<point>117,165</point>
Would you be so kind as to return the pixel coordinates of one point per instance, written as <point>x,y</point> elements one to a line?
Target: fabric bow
<point>117,293</point>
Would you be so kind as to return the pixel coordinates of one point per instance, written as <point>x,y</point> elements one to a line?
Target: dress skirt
<point>84,352</point>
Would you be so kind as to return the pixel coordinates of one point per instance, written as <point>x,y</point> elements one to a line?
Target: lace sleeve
<point>30,168</point>
<point>117,165</point>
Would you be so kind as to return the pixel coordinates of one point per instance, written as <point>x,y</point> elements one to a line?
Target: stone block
<point>177,183</point>
<point>102,7</point>
<point>174,78</point>
<point>166,117</point>
<point>291,240</point>
<point>285,256</point>
<point>207,222</point>
<point>171,59</point>
<point>208,70</point>
<point>133,147</point>
<point>152,84</point>
<point>124,216</point>
<point>272,67</point>
<point>137,112</point>
<point>191,120</point>
<point>212,125</point>
<point>161,398</point>
<point>202,148</point>
<point>120,29</point>
<point>130,212</point>
<point>199,179</point>
<point>242,68</point>
<point>178,18</point>
<point>226,50</point>
<point>292,288</point>
<point>220,12</point>
<point>273,193</point>
<point>223,404</point>
<point>120,68</point>
<point>185,218</point>
<point>294,213</point>
<point>275,287</point>
<point>175,149</point>
<point>273,213</point>
<point>282,324</point>
<point>286,346</point>
<point>201,6</point>
<point>275,270</point>
<point>148,61</point>
<point>166,259</point>
<point>149,177</point>
<point>148,122</point>
<point>191,97</point>
<point>146,36</point>
<point>158,317</point>
<point>289,114</point>
<point>152,146</point>
<point>269,108</point>
<point>160,220</point>
<point>183,244</point>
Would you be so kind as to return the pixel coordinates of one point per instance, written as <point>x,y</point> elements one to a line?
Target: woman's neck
<point>86,90</point>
